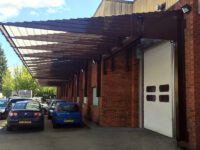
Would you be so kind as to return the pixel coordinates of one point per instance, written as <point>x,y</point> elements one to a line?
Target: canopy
<point>54,50</point>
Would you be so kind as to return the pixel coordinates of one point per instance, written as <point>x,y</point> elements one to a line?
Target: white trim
<point>85,100</point>
<point>78,99</point>
<point>199,6</point>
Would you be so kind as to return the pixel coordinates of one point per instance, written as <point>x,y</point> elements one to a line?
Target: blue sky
<point>30,10</point>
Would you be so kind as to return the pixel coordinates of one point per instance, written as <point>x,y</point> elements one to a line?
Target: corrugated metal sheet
<point>114,7</point>
<point>140,6</point>
<point>54,50</point>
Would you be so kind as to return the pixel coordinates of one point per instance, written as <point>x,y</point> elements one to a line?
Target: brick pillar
<point>134,91</point>
<point>196,48</point>
<point>115,108</point>
<point>58,92</point>
<point>192,71</point>
<point>81,76</point>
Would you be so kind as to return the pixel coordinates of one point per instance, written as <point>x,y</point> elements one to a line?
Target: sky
<point>33,10</point>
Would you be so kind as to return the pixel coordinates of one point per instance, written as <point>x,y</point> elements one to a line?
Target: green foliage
<point>46,92</point>
<point>7,84</point>
<point>22,80</point>
<point>3,66</point>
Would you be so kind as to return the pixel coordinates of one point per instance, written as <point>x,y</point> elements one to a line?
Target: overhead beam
<point>58,56</point>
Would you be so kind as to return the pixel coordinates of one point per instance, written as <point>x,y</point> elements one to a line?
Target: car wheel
<point>9,128</point>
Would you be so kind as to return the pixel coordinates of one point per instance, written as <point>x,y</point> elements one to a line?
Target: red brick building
<point>151,77</point>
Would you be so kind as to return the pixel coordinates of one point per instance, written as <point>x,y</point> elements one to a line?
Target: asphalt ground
<point>88,137</point>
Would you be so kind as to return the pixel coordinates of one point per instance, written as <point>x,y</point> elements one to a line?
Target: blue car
<point>66,113</point>
<point>52,106</point>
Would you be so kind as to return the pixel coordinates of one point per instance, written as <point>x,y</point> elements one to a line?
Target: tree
<point>23,80</point>
<point>46,92</point>
<point>3,66</point>
<point>7,84</point>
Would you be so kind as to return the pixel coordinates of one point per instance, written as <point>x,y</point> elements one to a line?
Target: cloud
<point>12,8</point>
<point>51,11</point>
<point>58,9</point>
<point>34,13</point>
<point>7,12</point>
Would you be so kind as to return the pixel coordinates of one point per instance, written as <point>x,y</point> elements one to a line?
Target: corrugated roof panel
<point>64,46</point>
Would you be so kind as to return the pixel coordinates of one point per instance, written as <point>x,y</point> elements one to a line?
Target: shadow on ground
<point>26,130</point>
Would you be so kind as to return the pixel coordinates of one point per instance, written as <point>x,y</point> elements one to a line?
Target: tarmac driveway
<point>90,137</point>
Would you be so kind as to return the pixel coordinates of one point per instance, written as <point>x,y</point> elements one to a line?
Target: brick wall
<point>197,70</point>
<point>86,106</point>
<point>58,92</point>
<point>134,91</point>
<point>194,107</point>
<point>89,111</point>
<point>94,114</point>
<point>119,93</point>
<point>192,71</point>
<point>94,110</point>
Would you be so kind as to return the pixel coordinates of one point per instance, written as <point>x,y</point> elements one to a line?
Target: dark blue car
<point>25,114</point>
<point>66,113</point>
<point>12,102</point>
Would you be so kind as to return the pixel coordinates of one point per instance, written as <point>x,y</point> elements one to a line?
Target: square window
<point>164,88</point>
<point>150,88</point>
<point>151,98</point>
<point>164,98</point>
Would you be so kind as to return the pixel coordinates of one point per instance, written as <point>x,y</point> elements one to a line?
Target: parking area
<point>88,137</point>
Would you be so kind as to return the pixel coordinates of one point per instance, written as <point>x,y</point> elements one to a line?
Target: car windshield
<point>19,106</point>
<point>2,104</point>
<point>27,106</point>
<point>54,103</point>
<point>68,108</point>
<point>13,101</point>
<point>17,100</point>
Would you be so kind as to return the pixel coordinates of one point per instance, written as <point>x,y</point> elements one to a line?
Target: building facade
<point>139,88</point>
<point>136,65</point>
